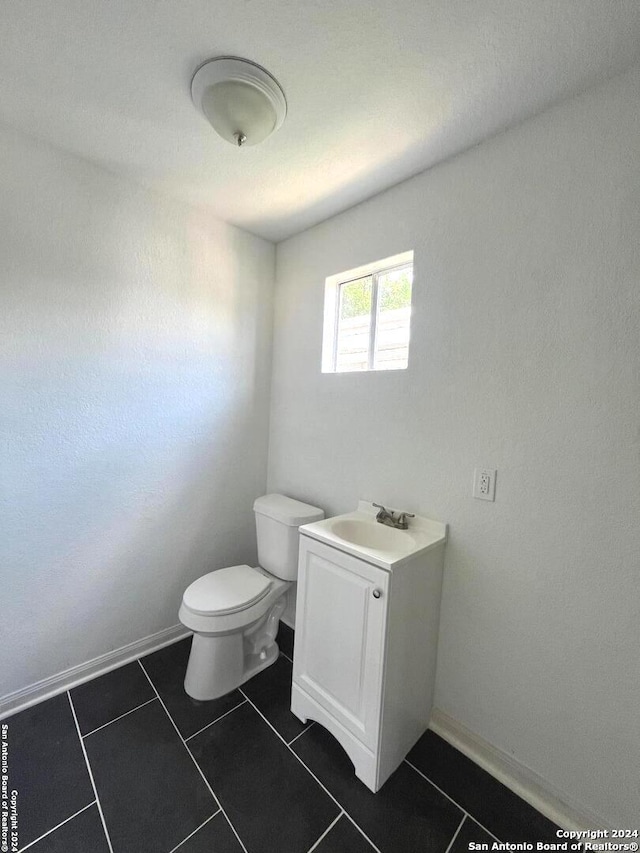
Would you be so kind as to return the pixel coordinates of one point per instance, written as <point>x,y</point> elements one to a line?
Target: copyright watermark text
<point>570,841</point>
<point>8,798</point>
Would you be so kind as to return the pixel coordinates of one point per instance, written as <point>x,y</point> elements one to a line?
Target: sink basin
<point>359,534</point>
<point>371,534</point>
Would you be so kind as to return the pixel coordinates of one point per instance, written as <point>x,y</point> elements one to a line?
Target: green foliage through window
<point>372,324</point>
<point>355,298</point>
<point>395,290</point>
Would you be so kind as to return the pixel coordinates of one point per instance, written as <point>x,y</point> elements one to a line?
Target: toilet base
<point>220,663</point>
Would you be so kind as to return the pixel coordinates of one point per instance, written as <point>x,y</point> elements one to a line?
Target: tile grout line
<point>49,831</point>
<point>361,831</point>
<point>420,773</point>
<point>93,784</point>
<point>455,834</point>
<point>426,778</point>
<point>233,829</point>
<point>197,829</point>
<point>179,734</point>
<point>310,772</point>
<point>115,719</point>
<point>217,719</point>
<point>306,729</point>
<point>204,778</point>
<point>326,832</point>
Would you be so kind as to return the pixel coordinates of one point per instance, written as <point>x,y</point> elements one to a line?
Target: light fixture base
<point>240,99</point>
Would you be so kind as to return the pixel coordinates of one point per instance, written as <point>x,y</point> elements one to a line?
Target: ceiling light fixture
<point>242,101</point>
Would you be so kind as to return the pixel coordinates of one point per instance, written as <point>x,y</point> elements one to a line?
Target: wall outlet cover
<point>484,484</point>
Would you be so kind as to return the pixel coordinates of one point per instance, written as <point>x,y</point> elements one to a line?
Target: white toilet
<point>234,612</point>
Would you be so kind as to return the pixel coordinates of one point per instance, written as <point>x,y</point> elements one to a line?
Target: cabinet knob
<point>377,593</point>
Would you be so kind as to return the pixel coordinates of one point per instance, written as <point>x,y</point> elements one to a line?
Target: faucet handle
<point>383,512</point>
<point>383,516</point>
<point>403,516</point>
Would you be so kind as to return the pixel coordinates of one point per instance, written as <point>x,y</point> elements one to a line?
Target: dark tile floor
<point>128,763</point>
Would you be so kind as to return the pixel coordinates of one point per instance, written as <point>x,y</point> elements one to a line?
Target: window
<point>367,313</point>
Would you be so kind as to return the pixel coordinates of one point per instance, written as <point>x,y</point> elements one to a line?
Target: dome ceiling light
<point>242,102</point>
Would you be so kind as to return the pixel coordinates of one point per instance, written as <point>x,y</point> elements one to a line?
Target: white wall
<point>525,356</point>
<point>135,370</point>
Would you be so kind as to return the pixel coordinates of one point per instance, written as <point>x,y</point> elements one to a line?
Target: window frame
<point>332,303</point>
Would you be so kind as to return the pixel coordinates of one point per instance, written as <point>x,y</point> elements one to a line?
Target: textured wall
<point>135,369</point>
<point>525,356</point>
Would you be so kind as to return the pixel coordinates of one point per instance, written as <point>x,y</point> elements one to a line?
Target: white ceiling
<point>377,90</point>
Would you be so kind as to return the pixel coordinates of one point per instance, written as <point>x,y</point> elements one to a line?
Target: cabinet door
<point>340,629</point>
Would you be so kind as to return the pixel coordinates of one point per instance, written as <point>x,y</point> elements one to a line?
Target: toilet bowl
<point>235,612</point>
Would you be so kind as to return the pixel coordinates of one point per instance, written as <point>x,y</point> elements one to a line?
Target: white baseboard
<point>55,684</point>
<point>520,779</point>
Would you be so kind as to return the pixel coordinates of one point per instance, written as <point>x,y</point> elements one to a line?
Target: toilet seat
<point>226,591</point>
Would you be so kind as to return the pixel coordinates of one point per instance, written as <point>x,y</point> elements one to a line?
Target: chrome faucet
<point>393,519</point>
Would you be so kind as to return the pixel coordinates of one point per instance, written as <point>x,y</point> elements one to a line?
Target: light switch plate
<point>484,484</point>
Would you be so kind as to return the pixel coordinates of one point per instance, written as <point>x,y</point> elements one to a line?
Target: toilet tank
<point>277,521</point>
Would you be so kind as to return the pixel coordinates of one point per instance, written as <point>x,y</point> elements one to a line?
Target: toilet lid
<point>226,591</point>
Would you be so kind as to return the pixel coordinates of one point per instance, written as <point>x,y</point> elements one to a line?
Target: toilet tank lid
<point>287,510</point>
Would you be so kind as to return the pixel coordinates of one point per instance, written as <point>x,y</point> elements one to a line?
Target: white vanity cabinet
<point>365,646</point>
<point>341,616</point>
